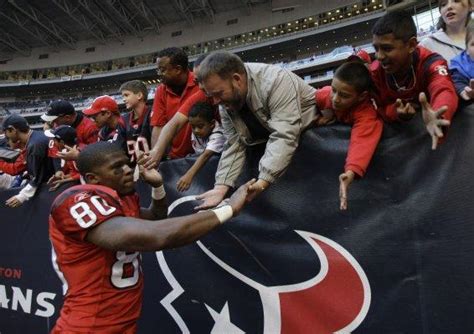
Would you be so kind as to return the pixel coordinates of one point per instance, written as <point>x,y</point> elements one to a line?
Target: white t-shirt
<point>215,141</point>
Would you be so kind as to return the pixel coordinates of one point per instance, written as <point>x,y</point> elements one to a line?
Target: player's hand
<point>433,120</point>
<point>71,153</point>
<point>256,188</point>
<point>345,179</point>
<point>184,182</point>
<point>149,175</point>
<point>212,197</point>
<point>13,202</point>
<point>404,111</point>
<point>239,197</point>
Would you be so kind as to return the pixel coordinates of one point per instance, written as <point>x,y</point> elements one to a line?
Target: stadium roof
<point>27,24</point>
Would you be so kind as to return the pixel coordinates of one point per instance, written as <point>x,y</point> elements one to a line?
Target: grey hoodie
<point>441,43</point>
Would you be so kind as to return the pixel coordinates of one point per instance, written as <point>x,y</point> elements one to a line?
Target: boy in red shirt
<point>405,74</point>
<point>348,100</point>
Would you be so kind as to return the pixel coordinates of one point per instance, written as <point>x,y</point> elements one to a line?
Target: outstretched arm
<point>185,181</point>
<point>132,234</point>
<point>164,138</point>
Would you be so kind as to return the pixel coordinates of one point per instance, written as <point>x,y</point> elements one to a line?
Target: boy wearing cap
<point>38,165</point>
<point>63,135</point>
<point>105,113</point>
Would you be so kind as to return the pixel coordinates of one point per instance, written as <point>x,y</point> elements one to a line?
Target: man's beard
<point>237,101</point>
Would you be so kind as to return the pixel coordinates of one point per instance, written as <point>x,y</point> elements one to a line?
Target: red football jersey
<point>103,288</point>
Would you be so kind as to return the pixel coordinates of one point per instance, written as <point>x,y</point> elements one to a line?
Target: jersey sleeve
<point>76,211</point>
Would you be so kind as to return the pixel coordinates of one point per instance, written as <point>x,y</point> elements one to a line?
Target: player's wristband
<point>224,213</point>
<point>158,193</point>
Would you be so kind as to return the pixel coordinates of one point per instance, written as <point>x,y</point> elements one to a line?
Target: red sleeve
<point>441,89</point>
<point>365,135</point>
<point>14,168</point>
<point>76,211</point>
<point>323,98</point>
<point>199,96</point>
<point>158,110</point>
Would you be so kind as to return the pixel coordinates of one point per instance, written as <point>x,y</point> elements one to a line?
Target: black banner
<point>398,261</point>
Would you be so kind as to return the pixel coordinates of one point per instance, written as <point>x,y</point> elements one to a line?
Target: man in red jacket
<point>405,74</point>
<point>177,86</point>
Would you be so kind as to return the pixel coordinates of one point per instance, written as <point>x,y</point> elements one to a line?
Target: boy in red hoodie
<point>348,100</point>
<point>409,77</point>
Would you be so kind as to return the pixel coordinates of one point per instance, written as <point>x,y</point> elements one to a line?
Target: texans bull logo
<point>336,300</point>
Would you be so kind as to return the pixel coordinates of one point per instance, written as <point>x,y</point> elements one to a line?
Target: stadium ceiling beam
<point>141,8</point>
<point>99,17</point>
<point>80,19</point>
<point>183,10</point>
<point>120,15</point>
<point>187,8</point>
<point>14,43</point>
<point>44,22</point>
<point>33,31</point>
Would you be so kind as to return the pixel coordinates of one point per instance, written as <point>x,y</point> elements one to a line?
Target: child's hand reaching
<point>184,182</point>
<point>324,117</point>
<point>433,120</point>
<point>405,112</point>
<point>468,92</point>
<point>345,179</point>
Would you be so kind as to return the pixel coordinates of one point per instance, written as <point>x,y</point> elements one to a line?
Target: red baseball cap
<point>102,103</point>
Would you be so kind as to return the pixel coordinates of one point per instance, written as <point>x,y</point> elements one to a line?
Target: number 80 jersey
<point>103,288</point>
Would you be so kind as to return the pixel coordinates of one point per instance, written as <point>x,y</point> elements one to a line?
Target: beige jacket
<point>285,106</point>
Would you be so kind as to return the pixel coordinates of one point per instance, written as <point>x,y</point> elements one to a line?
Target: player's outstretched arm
<point>132,234</point>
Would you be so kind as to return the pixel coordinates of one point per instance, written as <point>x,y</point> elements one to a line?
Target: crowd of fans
<point>228,107</point>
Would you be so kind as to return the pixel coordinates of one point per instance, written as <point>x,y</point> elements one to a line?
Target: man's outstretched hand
<point>433,120</point>
<point>212,197</point>
<point>239,197</point>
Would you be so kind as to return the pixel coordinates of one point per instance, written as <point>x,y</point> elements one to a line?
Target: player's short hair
<point>176,55</point>
<point>398,22</point>
<point>95,155</point>
<point>355,74</point>
<point>202,110</point>
<point>222,63</point>
<point>135,86</point>
<point>442,25</point>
